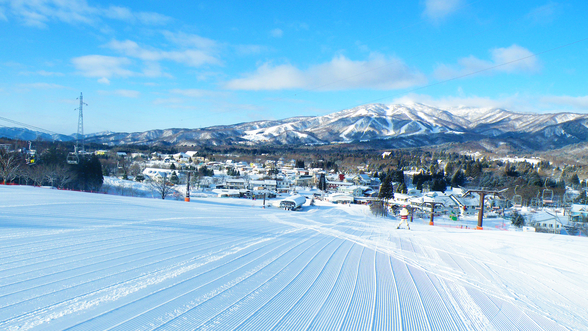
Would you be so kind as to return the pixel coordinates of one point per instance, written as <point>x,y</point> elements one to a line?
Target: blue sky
<point>156,64</point>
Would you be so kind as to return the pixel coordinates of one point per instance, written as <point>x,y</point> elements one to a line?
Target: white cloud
<point>250,49</point>
<point>514,102</point>
<point>198,93</point>
<point>119,13</point>
<point>514,53</point>
<point>578,103</point>
<point>190,57</point>
<point>191,40</point>
<point>378,72</point>
<point>38,13</point>
<point>150,18</point>
<point>102,66</point>
<point>168,101</point>
<point>41,73</point>
<point>2,15</point>
<point>277,33</point>
<point>122,93</point>
<point>438,9</point>
<point>49,73</point>
<point>510,59</point>
<point>545,13</point>
<point>42,86</point>
<point>104,81</point>
<point>106,67</point>
<point>268,77</point>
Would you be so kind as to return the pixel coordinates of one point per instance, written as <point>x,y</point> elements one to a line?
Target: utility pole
<point>187,198</point>
<point>482,194</point>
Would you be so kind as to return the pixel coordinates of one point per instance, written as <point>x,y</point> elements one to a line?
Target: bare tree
<point>124,166</point>
<point>196,179</point>
<point>51,175</point>
<point>64,175</point>
<point>10,163</point>
<point>36,174</point>
<point>162,186</point>
<point>136,168</point>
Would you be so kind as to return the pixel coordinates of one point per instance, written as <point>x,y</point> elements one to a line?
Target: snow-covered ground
<point>84,261</point>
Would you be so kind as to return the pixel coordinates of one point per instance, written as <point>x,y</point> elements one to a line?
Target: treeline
<point>437,171</point>
<point>50,168</point>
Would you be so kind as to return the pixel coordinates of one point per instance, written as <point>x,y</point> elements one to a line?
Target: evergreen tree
<point>402,188</point>
<point>438,185</point>
<point>322,184</point>
<point>581,199</point>
<point>449,168</point>
<point>386,189</point>
<point>518,220</point>
<point>458,178</point>
<point>575,180</point>
<point>398,176</point>
<point>89,174</point>
<point>382,176</point>
<point>174,179</point>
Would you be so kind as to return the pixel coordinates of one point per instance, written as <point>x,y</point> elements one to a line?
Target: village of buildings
<point>282,184</point>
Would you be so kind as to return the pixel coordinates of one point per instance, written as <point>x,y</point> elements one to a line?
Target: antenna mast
<point>81,125</point>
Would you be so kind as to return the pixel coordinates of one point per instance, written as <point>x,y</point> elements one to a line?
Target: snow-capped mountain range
<point>400,125</point>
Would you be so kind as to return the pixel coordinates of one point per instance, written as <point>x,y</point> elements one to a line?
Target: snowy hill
<point>404,125</point>
<point>93,261</point>
<point>30,135</point>
<point>401,125</point>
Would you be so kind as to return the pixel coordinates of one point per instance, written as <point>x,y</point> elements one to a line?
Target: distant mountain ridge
<point>401,125</point>
<point>30,135</point>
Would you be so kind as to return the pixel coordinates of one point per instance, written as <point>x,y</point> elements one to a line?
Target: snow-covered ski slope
<point>82,261</point>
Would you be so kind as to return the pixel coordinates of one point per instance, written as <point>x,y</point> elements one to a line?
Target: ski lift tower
<point>73,157</point>
<point>81,125</point>
<point>482,194</point>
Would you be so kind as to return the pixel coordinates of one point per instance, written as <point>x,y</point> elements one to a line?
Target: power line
<point>29,126</point>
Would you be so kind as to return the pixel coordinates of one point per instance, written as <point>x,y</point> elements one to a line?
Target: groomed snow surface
<point>84,261</point>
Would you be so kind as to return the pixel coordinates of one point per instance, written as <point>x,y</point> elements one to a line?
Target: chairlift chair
<point>73,158</point>
<point>517,201</point>
<point>547,196</point>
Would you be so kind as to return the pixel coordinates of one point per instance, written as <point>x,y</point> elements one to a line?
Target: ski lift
<point>547,196</point>
<point>536,203</point>
<point>30,155</point>
<point>73,158</point>
<point>517,199</point>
